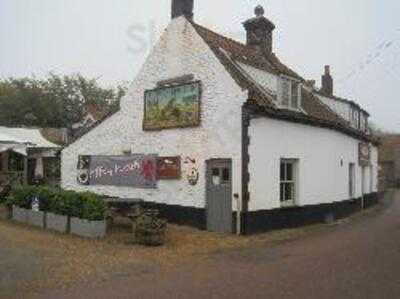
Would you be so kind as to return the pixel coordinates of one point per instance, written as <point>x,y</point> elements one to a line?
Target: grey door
<point>219,196</point>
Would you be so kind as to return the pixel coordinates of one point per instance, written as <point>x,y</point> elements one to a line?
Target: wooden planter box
<point>5,212</point>
<point>57,223</point>
<point>88,229</point>
<point>36,219</point>
<point>19,215</point>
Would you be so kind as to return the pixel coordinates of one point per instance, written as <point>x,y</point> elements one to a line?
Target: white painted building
<point>249,139</point>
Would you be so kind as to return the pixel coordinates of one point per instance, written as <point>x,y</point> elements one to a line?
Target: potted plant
<point>57,216</point>
<point>20,202</point>
<point>149,229</point>
<point>88,216</point>
<point>29,205</point>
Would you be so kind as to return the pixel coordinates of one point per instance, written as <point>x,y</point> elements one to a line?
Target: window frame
<point>291,82</point>
<point>285,181</point>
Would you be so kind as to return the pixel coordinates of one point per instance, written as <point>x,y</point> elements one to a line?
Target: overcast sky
<point>109,40</point>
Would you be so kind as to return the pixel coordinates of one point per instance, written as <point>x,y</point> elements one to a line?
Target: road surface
<point>355,259</point>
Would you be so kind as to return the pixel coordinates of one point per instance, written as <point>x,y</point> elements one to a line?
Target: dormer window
<point>290,96</point>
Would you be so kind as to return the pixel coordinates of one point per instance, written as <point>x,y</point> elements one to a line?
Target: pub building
<point>221,135</point>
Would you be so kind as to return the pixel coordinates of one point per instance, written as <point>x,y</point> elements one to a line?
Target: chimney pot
<point>327,82</point>
<point>327,69</point>
<point>182,8</point>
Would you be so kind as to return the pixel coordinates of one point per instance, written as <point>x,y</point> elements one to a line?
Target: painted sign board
<point>169,168</point>
<point>172,107</point>
<point>139,171</point>
<point>364,154</point>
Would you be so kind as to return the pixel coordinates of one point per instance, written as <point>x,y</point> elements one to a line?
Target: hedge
<point>84,205</point>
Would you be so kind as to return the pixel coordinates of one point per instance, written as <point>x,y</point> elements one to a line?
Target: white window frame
<point>293,182</point>
<point>291,81</point>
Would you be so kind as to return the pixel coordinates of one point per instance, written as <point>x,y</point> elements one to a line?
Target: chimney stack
<point>182,8</point>
<point>259,31</point>
<point>327,82</point>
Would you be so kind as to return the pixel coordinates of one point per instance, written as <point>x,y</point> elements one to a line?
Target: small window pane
<point>289,172</point>
<point>295,95</point>
<point>285,92</point>
<point>216,179</point>
<point>215,172</point>
<point>282,171</point>
<point>225,175</point>
<point>289,192</point>
<point>282,192</point>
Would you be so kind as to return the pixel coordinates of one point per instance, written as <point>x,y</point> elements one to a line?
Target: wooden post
<point>25,170</point>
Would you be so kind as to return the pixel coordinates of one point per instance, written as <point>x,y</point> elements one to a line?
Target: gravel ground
<point>18,267</point>
<point>356,258</point>
<point>33,260</point>
<point>36,262</point>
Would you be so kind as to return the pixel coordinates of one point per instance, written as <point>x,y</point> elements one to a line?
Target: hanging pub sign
<point>364,154</point>
<point>172,107</point>
<point>139,171</point>
<point>169,168</point>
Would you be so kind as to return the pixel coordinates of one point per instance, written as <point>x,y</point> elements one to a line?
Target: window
<point>355,119</point>
<point>352,180</point>
<point>216,179</point>
<point>288,176</point>
<point>290,94</point>
<point>220,176</point>
<point>15,162</point>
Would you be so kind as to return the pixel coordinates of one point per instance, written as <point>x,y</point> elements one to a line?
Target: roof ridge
<point>248,55</point>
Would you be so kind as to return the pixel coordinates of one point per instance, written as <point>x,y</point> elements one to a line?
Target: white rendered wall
<point>180,51</point>
<point>321,178</point>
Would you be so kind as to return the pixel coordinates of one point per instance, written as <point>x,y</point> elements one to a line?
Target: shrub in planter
<point>149,230</point>
<point>61,206</point>
<point>21,198</point>
<point>88,211</point>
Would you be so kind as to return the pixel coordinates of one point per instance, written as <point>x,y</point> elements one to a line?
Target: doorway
<point>219,195</point>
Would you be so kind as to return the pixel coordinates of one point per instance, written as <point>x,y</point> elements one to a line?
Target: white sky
<point>109,40</point>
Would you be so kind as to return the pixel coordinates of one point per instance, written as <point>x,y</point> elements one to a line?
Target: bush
<point>93,208</point>
<point>85,205</point>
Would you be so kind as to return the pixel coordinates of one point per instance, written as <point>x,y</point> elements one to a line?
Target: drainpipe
<point>238,213</point>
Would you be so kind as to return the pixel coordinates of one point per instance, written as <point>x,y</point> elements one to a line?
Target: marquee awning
<point>16,148</point>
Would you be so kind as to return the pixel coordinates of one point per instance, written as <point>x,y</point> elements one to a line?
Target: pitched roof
<point>243,53</point>
<point>341,100</point>
<point>231,52</point>
<point>31,137</point>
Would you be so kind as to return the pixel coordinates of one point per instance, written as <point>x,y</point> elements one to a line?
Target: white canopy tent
<point>23,141</point>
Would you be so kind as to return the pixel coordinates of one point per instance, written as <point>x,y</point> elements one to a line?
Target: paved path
<point>358,259</point>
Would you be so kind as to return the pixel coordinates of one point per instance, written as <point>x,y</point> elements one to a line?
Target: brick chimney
<point>182,8</point>
<point>327,82</point>
<point>259,31</point>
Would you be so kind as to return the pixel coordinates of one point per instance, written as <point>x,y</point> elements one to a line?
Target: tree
<point>57,101</point>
